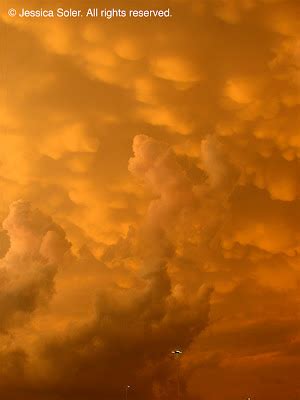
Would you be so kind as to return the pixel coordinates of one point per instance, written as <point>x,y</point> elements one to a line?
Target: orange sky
<point>149,200</point>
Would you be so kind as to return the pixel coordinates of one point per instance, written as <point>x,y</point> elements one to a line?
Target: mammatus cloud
<point>210,199</point>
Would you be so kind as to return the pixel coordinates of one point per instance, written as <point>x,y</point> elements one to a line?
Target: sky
<point>150,201</point>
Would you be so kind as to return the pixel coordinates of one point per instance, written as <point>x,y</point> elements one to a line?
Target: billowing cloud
<point>167,153</point>
<point>138,324</point>
<point>30,264</point>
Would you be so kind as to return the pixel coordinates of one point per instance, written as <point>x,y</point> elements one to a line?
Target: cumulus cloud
<point>156,165</point>
<point>137,324</point>
<point>30,264</point>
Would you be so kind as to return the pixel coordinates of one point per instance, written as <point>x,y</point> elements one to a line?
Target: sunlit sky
<point>149,200</point>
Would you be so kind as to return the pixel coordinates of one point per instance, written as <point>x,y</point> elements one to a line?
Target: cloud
<point>29,266</point>
<point>205,107</point>
<point>140,313</point>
